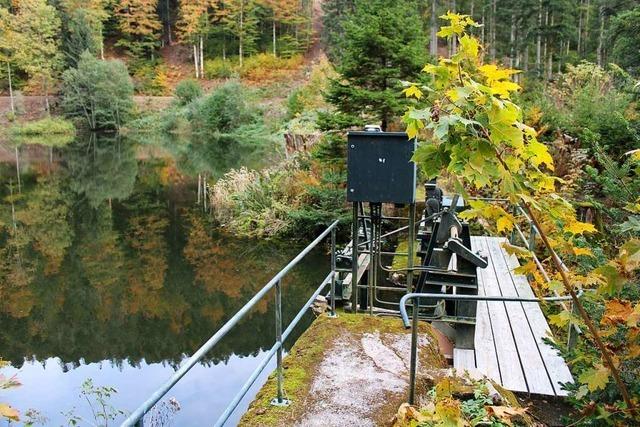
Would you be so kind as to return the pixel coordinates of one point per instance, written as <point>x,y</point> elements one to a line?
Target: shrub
<point>187,91</point>
<point>586,103</point>
<point>100,92</point>
<point>265,66</point>
<point>151,79</point>
<point>220,69</point>
<point>223,110</point>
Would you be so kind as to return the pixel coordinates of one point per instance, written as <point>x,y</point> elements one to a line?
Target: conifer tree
<point>85,23</point>
<point>384,43</point>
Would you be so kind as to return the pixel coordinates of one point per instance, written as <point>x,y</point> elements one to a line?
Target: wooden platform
<point>509,345</point>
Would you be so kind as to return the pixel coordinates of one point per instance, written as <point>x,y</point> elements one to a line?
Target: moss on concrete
<point>307,353</point>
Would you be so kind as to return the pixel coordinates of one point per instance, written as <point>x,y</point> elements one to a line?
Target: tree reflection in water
<point>105,256</point>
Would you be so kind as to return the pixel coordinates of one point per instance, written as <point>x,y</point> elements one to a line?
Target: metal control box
<point>379,167</point>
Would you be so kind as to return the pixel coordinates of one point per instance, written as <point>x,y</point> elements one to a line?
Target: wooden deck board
<point>555,364</point>
<point>511,372</point>
<point>531,360</point>
<point>509,345</point>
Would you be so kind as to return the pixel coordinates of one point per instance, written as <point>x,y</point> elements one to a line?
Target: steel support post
<point>279,400</point>
<point>333,273</point>
<point>411,246</point>
<point>354,259</point>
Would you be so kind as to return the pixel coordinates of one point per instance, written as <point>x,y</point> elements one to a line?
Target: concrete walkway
<point>359,376</point>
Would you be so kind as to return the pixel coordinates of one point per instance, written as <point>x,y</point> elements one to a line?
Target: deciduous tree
<point>139,23</point>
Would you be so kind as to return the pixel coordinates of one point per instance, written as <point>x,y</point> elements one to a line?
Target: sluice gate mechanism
<point>430,264</point>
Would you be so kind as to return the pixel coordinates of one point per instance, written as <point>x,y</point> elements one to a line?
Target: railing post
<point>414,352</point>
<point>279,400</point>
<point>354,257</point>
<point>572,335</point>
<point>333,273</point>
<point>512,238</point>
<point>532,237</point>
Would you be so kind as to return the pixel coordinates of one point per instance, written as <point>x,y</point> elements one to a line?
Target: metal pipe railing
<point>415,318</point>
<point>136,418</point>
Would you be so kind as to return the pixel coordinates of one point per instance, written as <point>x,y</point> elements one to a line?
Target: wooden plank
<point>531,361</point>
<point>363,263</point>
<point>511,371</point>
<point>556,366</point>
<point>464,359</point>
<point>485,349</point>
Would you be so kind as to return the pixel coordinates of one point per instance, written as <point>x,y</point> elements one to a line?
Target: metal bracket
<point>281,403</point>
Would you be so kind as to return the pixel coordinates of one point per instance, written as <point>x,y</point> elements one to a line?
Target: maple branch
<point>583,313</point>
<point>595,333</point>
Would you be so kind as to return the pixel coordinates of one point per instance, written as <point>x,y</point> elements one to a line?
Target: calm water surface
<point>111,270</point>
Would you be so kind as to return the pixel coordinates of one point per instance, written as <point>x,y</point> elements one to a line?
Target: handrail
<point>413,363</point>
<point>136,417</point>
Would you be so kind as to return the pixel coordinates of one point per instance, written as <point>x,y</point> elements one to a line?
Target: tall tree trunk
<point>224,47</point>
<point>526,58</point>
<point>587,15</point>
<point>433,43</point>
<point>482,28</point>
<point>539,39</point>
<point>13,108</point>
<point>273,34</point>
<point>493,29</point>
<point>240,53</point>
<point>169,40</point>
<point>471,8</point>
<point>454,46</point>
<point>195,61</point>
<point>600,50</point>
<point>201,57</point>
<point>18,170</point>
<point>580,12</point>
<point>512,40</point>
<point>45,84</point>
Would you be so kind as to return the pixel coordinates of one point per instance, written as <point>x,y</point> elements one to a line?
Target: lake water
<point>111,270</point>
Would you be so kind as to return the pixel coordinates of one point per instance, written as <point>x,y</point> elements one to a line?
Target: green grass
<point>50,131</point>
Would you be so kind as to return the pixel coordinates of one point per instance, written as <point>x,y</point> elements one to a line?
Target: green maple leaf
<point>502,120</point>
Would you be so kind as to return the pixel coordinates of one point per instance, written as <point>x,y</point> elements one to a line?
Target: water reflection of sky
<point>200,393</point>
<point>111,270</point>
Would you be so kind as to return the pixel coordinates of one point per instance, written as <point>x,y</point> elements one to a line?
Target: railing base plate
<point>283,402</point>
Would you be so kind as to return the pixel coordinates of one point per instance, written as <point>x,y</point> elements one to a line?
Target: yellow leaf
<point>493,73</point>
<point>504,223</point>
<point>582,251</point>
<point>413,91</point>
<point>595,378</point>
<point>561,319</point>
<point>578,227</point>
<point>503,88</point>
<point>469,46</point>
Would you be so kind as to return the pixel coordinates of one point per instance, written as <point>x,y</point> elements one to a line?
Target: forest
<point>532,102</point>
